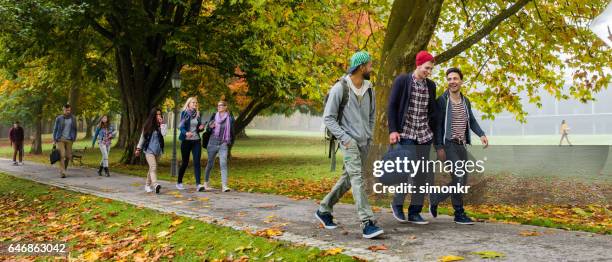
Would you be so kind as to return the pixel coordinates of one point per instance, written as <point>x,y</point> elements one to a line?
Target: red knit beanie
<point>423,57</point>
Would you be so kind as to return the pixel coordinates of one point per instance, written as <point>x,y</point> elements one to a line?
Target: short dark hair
<point>67,106</point>
<point>16,122</point>
<point>455,70</point>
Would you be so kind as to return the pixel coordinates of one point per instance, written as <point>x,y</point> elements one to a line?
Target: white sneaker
<point>200,188</point>
<point>180,187</point>
<point>148,189</point>
<point>207,186</point>
<point>226,189</point>
<point>21,163</point>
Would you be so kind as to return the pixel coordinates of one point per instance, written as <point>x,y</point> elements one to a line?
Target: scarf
<point>186,118</point>
<point>226,132</point>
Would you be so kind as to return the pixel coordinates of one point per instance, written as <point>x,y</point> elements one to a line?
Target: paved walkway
<point>404,242</point>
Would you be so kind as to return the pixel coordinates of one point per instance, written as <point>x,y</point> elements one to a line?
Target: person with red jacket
<point>16,137</point>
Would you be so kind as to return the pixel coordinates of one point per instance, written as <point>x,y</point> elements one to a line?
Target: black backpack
<point>333,145</point>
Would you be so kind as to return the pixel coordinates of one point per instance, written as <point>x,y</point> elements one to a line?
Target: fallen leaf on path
<point>377,248</point>
<point>489,254</point>
<point>450,258</point>
<point>528,233</point>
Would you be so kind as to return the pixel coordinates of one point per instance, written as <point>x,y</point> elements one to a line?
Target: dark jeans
<point>454,152</point>
<point>189,146</point>
<point>18,150</point>
<point>420,179</point>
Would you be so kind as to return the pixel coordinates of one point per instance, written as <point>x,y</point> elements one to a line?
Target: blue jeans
<point>195,147</point>
<point>420,179</point>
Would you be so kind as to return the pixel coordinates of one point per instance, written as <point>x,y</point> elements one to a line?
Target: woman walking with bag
<point>221,126</point>
<point>152,144</point>
<point>104,134</point>
<point>190,126</point>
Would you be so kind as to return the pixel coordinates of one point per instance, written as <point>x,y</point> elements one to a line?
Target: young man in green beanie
<point>349,115</point>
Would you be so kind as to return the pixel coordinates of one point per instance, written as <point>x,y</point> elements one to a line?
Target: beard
<point>366,76</point>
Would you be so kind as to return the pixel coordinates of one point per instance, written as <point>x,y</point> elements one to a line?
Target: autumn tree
<point>505,48</point>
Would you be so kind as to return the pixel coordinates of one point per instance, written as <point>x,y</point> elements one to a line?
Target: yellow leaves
<point>269,232</point>
<point>91,255</point>
<point>450,258</point>
<point>176,222</point>
<point>163,234</point>
<point>332,251</point>
<point>596,216</point>
<point>489,254</point>
<point>581,212</point>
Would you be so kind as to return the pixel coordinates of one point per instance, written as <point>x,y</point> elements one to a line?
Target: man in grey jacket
<point>352,126</point>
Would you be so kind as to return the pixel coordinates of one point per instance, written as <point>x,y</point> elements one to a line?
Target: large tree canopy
<point>504,48</point>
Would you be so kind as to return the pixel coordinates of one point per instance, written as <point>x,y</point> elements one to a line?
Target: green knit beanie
<point>359,58</point>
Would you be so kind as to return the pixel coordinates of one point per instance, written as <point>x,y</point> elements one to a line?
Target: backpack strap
<point>345,98</point>
<point>370,94</point>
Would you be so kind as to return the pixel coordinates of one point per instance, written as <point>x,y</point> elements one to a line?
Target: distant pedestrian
<point>16,136</point>
<point>104,135</point>
<point>564,133</point>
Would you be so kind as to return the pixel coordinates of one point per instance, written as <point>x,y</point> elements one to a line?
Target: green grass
<point>191,240</point>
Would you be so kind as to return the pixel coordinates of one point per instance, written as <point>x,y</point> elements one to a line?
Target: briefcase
<point>394,177</point>
<point>55,155</point>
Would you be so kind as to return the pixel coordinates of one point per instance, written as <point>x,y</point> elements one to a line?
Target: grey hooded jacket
<point>357,117</point>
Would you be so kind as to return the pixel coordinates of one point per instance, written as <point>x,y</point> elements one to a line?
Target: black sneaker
<point>15,164</point>
<point>157,188</point>
<point>371,231</point>
<point>463,219</point>
<point>398,213</point>
<point>433,210</point>
<point>326,219</point>
<point>417,219</point>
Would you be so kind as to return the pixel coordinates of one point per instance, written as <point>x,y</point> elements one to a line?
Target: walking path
<point>405,242</point>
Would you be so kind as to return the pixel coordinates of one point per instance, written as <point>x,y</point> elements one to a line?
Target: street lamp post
<point>176,85</point>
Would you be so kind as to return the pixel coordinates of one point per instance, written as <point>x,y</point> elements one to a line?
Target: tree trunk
<point>36,148</point>
<point>249,113</point>
<point>143,86</point>
<point>122,139</point>
<point>410,28</point>
<point>90,122</point>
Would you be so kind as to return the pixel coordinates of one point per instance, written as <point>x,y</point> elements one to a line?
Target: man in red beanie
<point>412,113</point>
